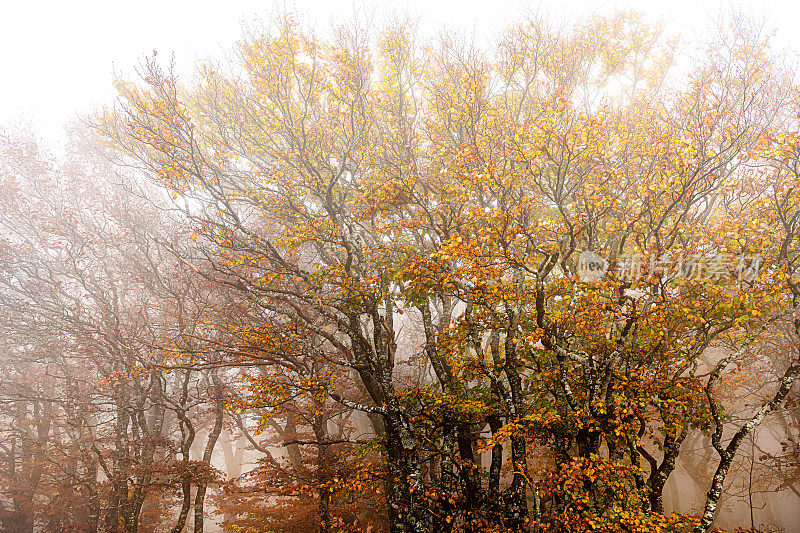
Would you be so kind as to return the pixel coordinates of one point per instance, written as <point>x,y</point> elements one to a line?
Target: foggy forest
<point>360,277</point>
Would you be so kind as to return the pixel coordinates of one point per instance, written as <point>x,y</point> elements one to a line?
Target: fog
<point>422,267</point>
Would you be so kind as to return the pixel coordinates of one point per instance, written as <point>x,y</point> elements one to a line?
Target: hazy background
<point>57,58</point>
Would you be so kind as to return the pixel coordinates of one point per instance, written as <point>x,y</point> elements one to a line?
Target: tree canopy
<point>370,249</point>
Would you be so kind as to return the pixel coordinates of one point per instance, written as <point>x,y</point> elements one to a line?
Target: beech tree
<point>95,316</point>
<point>339,184</point>
<point>433,286</point>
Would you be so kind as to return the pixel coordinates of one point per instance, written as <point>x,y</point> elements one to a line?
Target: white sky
<point>57,57</point>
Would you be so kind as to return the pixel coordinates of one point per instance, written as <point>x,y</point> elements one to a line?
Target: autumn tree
<point>352,186</point>
<point>95,315</point>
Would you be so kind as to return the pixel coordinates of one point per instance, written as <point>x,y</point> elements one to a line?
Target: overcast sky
<point>57,57</point>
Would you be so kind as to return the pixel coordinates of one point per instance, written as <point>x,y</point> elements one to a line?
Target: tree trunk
<point>407,513</point>
<point>727,454</point>
<point>213,436</point>
<point>658,478</point>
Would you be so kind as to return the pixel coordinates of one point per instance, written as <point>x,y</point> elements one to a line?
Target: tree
<point>92,313</point>
<point>492,289</point>
<point>339,184</point>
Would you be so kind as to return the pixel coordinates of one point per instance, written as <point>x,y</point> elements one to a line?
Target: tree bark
<point>728,453</point>
<point>213,436</point>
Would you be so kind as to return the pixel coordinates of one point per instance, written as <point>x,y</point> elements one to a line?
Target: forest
<point>362,279</point>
